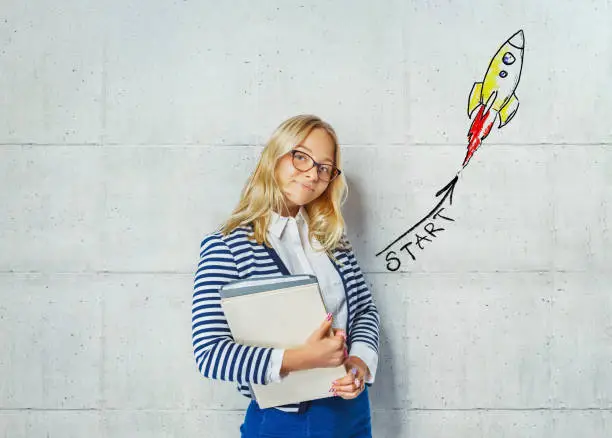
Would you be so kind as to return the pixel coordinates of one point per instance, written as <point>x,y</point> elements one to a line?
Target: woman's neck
<point>292,211</point>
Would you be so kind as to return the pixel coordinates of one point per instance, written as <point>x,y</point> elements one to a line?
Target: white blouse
<point>289,238</point>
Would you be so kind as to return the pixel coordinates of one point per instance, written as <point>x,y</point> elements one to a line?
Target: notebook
<point>280,312</point>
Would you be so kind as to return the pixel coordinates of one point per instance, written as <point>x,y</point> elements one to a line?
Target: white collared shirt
<point>289,238</point>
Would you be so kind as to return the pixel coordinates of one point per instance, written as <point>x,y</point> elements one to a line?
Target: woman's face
<point>300,188</point>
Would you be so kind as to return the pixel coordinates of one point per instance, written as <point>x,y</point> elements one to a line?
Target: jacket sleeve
<point>216,354</point>
<point>365,326</point>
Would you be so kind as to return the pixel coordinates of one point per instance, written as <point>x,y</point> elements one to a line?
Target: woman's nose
<point>313,173</point>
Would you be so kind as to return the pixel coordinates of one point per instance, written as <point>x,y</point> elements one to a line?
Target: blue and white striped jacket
<point>233,257</point>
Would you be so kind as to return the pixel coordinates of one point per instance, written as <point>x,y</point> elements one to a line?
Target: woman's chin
<point>299,201</point>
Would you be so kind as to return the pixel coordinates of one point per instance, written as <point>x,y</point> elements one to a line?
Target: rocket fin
<point>508,110</point>
<point>475,96</point>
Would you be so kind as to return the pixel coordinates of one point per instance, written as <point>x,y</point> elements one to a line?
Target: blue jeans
<point>331,417</point>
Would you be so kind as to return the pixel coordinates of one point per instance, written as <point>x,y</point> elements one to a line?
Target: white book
<point>280,312</point>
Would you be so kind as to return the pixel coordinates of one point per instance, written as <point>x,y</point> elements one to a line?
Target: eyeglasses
<point>304,162</point>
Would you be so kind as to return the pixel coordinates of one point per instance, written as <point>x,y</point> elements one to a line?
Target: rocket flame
<point>480,128</point>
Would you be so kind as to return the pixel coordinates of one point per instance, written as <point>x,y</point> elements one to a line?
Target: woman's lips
<point>305,187</point>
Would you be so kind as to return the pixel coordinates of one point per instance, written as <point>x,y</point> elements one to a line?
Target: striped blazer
<point>227,258</point>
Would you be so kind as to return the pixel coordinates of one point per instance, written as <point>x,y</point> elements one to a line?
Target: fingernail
<point>357,382</point>
<point>329,316</point>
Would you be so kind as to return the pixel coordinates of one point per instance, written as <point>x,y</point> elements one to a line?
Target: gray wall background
<point>128,128</point>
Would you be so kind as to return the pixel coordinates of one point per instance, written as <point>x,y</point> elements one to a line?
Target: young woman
<point>288,221</point>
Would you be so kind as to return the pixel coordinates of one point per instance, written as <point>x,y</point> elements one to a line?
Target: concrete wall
<point>127,129</point>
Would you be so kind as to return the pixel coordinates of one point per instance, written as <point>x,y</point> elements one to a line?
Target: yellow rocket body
<point>496,91</point>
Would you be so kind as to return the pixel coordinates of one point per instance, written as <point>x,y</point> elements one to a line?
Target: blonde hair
<point>261,195</point>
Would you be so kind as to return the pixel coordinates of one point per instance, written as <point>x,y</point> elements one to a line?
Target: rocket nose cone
<point>518,40</point>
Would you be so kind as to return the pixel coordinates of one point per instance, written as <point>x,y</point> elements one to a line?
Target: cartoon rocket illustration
<point>495,96</point>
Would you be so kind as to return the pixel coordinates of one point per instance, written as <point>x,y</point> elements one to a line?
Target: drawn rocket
<point>495,96</point>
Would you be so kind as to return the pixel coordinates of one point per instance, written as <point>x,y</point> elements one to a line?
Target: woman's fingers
<point>348,394</point>
<point>352,387</point>
<point>340,332</point>
<point>346,380</point>
<point>348,386</point>
<point>342,335</point>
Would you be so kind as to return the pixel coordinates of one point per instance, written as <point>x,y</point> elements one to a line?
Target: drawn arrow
<point>446,192</point>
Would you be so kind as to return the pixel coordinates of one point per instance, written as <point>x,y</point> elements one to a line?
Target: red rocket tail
<point>481,126</point>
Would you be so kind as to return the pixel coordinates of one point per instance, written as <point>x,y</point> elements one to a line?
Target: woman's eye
<point>326,169</point>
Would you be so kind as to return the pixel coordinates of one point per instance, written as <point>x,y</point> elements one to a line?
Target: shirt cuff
<point>275,365</point>
<point>368,356</point>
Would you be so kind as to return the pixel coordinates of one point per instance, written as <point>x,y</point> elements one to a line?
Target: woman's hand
<point>351,385</point>
<point>325,349</point>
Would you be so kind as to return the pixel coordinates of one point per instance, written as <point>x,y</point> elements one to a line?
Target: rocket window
<point>508,58</point>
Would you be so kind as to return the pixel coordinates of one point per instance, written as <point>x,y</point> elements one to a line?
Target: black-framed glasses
<point>304,162</point>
